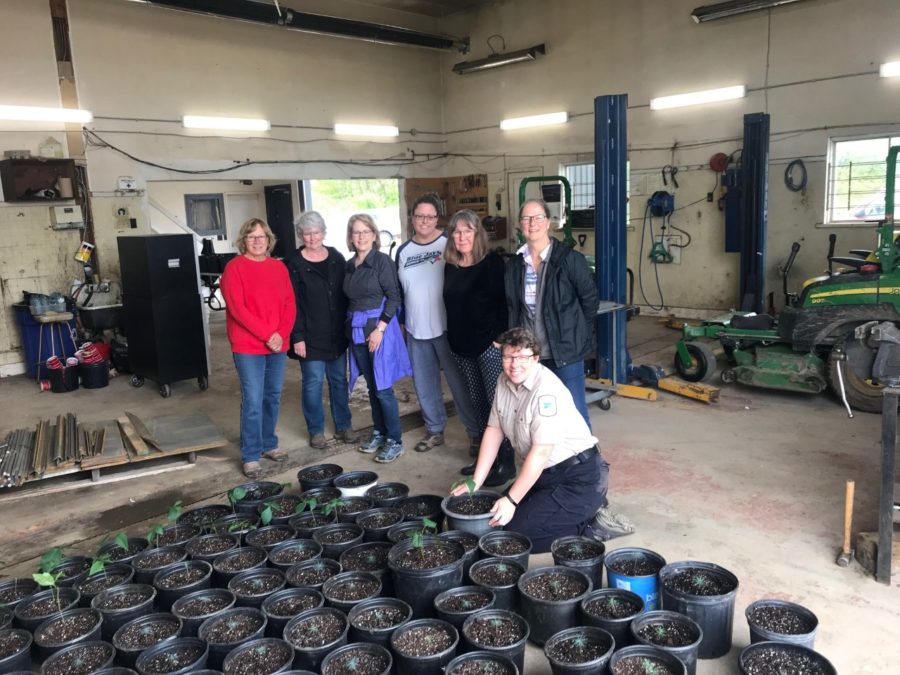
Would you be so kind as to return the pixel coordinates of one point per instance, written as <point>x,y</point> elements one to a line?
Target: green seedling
<point>121,541</point>
<point>235,495</point>
<point>580,642</point>
<point>49,580</point>
<point>353,664</point>
<point>468,482</point>
<point>265,516</point>
<point>303,504</point>
<point>50,559</point>
<point>330,506</point>
<point>174,512</point>
<point>612,604</point>
<point>155,532</point>
<point>418,537</point>
<point>241,526</point>
<point>650,667</point>
<point>659,632</point>
<point>700,581</point>
<point>496,623</point>
<point>98,564</point>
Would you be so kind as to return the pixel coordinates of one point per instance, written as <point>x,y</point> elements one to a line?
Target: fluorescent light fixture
<point>498,60</point>
<point>366,130</point>
<point>225,123</point>
<point>534,121</point>
<point>27,113</point>
<point>722,10</point>
<point>891,69</point>
<point>698,97</point>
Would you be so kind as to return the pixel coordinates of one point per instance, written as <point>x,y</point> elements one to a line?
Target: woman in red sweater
<point>259,315</point>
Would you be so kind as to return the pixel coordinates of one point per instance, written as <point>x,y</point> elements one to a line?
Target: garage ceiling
<point>436,8</point>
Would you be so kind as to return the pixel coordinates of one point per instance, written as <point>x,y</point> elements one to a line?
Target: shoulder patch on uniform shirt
<point>547,406</point>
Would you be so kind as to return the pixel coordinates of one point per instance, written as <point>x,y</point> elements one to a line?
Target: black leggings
<point>480,375</point>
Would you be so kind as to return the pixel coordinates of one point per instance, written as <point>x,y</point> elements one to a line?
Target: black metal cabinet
<point>163,309</point>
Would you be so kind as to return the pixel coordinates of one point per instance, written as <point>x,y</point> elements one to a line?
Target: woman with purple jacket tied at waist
<point>376,344</point>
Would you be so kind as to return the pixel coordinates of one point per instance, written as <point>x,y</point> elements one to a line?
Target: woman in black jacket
<point>550,291</point>
<point>319,340</point>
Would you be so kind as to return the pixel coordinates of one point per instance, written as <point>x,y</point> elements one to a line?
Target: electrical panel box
<point>66,217</point>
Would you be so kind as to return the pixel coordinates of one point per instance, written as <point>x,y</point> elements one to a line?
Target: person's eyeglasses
<point>360,233</point>
<point>528,220</point>
<point>257,237</point>
<point>463,233</point>
<point>521,359</point>
<point>425,218</point>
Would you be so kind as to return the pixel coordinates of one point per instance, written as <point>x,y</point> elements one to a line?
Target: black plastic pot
<point>378,636</point>
<point>376,555</point>
<point>13,591</point>
<point>686,654</point>
<point>54,665</point>
<point>44,647</point>
<point>488,541</point>
<point>196,650</point>
<point>507,595</point>
<point>515,651</point>
<point>125,655</point>
<point>430,664</point>
<point>351,507</point>
<point>469,542</point>
<point>403,531</point>
<point>419,587</point>
<point>476,524</point>
<point>237,661</point>
<point>109,577</point>
<point>204,516</point>
<point>378,532</point>
<point>282,556</point>
<point>283,508</point>
<point>294,574</point>
<point>20,659</point>
<point>424,506</point>
<point>257,491</point>
<point>713,613</point>
<point>591,565</point>
<point>150,561</point>
<point>786,648</point>
<point>333,664</point>
<point>63,599</point>
<point>113,619</point>
<point>547,617</point>
<point>457,618</point>
<point>487,662</point>
<point>322,495</point>
<point>759,634</point>
<point>115,670</point>
<point>224,599</point>
<point>221,576</point>
<point>346,581</point>
<point>355,483</point>
<point>166,595</point>
<point>176,535</point>
<point>309,522</point>
<point>334,550</point>
<point>261,578</point>
<point>308,482</point>
<point>73,569</point>
<point>219,650</point>
<point>387,494</point>
<point>6,618</point>
<point>277,619</point>
<point>620,629</point>
<point>119,555</point>
<point>257,537</point>
<point>238,524</point>
<point>643,651</point>
<point>227,542</point>
<point>587,667</point>
<point>310,657</point>
<point>646,586</point>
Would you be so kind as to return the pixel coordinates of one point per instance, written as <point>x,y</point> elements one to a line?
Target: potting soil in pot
<point>357,662</point>
<point>481,666</point>
<point>269,536</point>
<point>12,642</point>
<point>612,607</point>
<point>494,631</point>
<point>497,574</point>
<point>642,665</point>
<point>475,505</point>
<point>464,602</point>
<point>299,551</point>
<point>234,628</point>
<point>779,619</point>
<point>244,560</point>
<point>103,580</point>
<point>774,661</point>
<point>577,649</point>
<point>423,640</point>
<point>367,559</point>
<point>553,587</point>
<point>259,657</point>
<point>131,598</point>
<point>204,606</point>
<point>314,574</point>
<point>293,605</point>
<point>316,631</point>
<point>182,577</point>
<point>143,634</point>
<point>80,660</point>
<point>353,589</point>
<point>210,545</point>
<point>698,582</point>
<point>174,659</point>
<point>426,557</point>
<point>282,506</point>
<point>506,547</point>
<point>379,617</point>
<point>67,627</point>
<point>668,634</point>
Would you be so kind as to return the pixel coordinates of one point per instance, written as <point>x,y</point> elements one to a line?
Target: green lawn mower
<point>830,334</point>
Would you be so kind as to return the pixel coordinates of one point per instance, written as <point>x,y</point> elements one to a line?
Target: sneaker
<point>430,441</point>
<point>374,444</point>
<point>347,436</point>
<point>616,524</point>
<point>275,455</point>
<point>252,469</point>
<point>318,441</point>
<point>392,450</point>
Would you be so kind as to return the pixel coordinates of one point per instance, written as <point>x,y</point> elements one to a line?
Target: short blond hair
<point>369,222</point>
<point>248,227</point>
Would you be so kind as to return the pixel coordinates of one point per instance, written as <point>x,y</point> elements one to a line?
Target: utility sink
<point>101,317</point>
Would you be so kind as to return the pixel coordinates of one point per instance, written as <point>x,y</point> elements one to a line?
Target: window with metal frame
<point>856,178</point>
<point>206,214</point>
<point>581,178</point>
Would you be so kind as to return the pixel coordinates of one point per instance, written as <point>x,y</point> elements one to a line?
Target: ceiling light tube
<point>534,121</point>
<point>722,10</point>
<point>891,69</point>
<point>26,113</point>
<point>497,60</point>
<point>383,130</point>
<point>698,97</point>
<point>225,123</point>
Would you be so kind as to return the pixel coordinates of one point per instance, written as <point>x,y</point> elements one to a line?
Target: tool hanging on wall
<point>661,205</point>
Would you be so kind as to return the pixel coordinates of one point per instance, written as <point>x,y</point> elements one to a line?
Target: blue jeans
<point>427,358</point>
<point>385,411</point>
<point>314,374</point>
<point>572,375</point>
<point>261,376</point>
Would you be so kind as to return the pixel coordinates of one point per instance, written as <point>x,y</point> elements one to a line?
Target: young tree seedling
<point>332,505</point>
<point>303,504</point>
<point>470,487</point>
<point>50,559</point>
<point>265,516</point>
<point>235,495</point>
<point>428,527</point>
<point>49,580</point>
<point>155,532</point>
<point>174,512</point>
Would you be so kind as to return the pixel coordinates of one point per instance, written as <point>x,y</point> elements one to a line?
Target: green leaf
<point>237,494</point>
<point>97,566</point>
<point>285,486</point>
<point>44,579</point>
<point>174,512</point>
<point>122,541</point>
<point>429,524</point>
<point>50,559</point>
<point>265,517</point>
<point>416,539</point>
<point>155,532</point>
<point>468,482</point>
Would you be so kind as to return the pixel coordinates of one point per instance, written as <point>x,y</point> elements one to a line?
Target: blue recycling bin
<point>54,340</point>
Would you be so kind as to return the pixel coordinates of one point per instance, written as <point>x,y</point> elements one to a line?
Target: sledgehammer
<point>846,554</point>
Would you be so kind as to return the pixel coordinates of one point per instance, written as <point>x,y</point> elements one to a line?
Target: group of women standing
<point>322,308</point>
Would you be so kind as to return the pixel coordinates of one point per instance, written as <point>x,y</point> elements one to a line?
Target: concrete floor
<point>754,483</point>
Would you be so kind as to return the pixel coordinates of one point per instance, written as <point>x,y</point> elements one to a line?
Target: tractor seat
<point>855,263</point>
<point>861,252</point>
